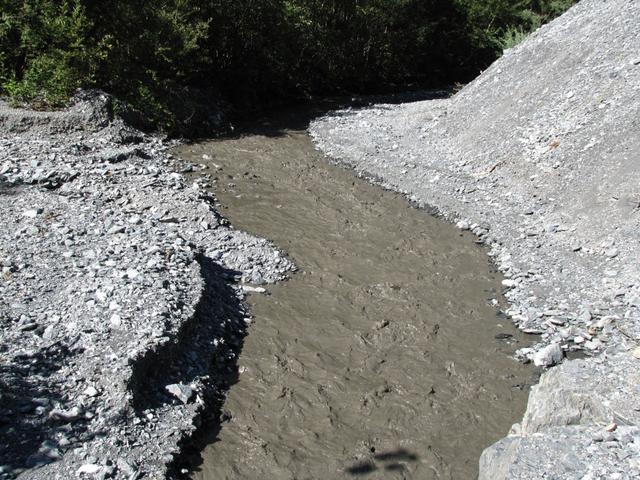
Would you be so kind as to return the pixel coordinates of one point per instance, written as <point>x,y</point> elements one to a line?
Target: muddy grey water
<point>379,358</point>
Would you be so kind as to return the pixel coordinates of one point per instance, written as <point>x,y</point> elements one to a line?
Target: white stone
<point>89,469</point>
<point>30,213</point>
<point>90,391</point>
<point>250,289</point>
<point>115,320</point>
<point>548,356</point>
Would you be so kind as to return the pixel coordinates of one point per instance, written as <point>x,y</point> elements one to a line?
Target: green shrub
<point>512,37</point>
<point>252,52</point>
<point>47,82</point>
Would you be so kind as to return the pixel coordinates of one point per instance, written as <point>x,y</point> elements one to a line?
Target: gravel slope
<point>539,156</point>
<point>120,304</point>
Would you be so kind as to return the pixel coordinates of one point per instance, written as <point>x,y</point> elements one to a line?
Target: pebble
<point>32,213</point>
<point>126,467</point>
<point>116,229</point>
<point>381,324</point>
<point>593,344</point>
<point>250,289</point>
<point>89,469</point>
<point>90,391</point>
<point>49,332</point>
<point>115,320</point>
<point>584,316</point>
<point>557,321</point>
<point>70,415</point>
<point>180,391</point>
<point>548,356</point>
<point>612,253</point>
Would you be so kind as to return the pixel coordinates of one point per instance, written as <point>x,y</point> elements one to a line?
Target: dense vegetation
<point>159,54</point>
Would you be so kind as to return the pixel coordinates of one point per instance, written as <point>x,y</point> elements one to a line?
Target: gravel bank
<point>539,157</point>
<point>121,296</point>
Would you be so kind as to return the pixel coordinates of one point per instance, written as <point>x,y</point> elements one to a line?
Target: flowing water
<point>382,357</point>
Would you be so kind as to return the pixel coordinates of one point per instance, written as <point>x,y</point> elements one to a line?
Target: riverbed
<point>385,355</point>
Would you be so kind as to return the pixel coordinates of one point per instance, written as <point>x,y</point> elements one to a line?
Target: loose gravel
<point>121,296</point>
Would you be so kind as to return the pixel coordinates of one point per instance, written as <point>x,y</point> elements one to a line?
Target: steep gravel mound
<point>540,158</point>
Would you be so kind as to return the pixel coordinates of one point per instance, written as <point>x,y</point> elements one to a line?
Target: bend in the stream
<point>384,357</point>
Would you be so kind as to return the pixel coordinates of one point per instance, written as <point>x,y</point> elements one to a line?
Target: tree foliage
<point>251,51</point>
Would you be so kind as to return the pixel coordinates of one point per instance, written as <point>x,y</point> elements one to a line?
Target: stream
<point>385,356</point>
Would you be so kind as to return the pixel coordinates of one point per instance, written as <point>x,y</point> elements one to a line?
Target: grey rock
<point>548,356</point>
<point>182,392</point>
<point>563,421</point>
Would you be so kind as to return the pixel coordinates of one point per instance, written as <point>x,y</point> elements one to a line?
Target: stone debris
<point>543,149</point>
<point>111,289</point>
<point>571,432</point>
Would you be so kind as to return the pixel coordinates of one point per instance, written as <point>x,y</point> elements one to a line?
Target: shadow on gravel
<point>27,396</point>
<point>393,461</point>
<point>7,188</point>
<point>208,346</point>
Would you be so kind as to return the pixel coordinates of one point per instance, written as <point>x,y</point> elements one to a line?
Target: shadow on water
<point>391,461</point>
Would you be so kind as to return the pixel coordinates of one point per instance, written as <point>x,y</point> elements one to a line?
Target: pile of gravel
<point>539,157</point>
<point>121,296</point>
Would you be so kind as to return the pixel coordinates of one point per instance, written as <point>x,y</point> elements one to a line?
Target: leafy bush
<point>512,37</point>
<point>250,52</point>
<point>46,51</point>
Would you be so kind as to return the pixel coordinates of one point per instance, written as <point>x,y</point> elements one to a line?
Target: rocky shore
<point>121,296</point>
<point>121,287</point>
<point>539,157</point>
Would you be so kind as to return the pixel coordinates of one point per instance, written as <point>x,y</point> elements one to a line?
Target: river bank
<point>121,298</point>
<point>538,157</point>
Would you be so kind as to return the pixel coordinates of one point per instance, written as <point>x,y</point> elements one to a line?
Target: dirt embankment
<point>539,157</point>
